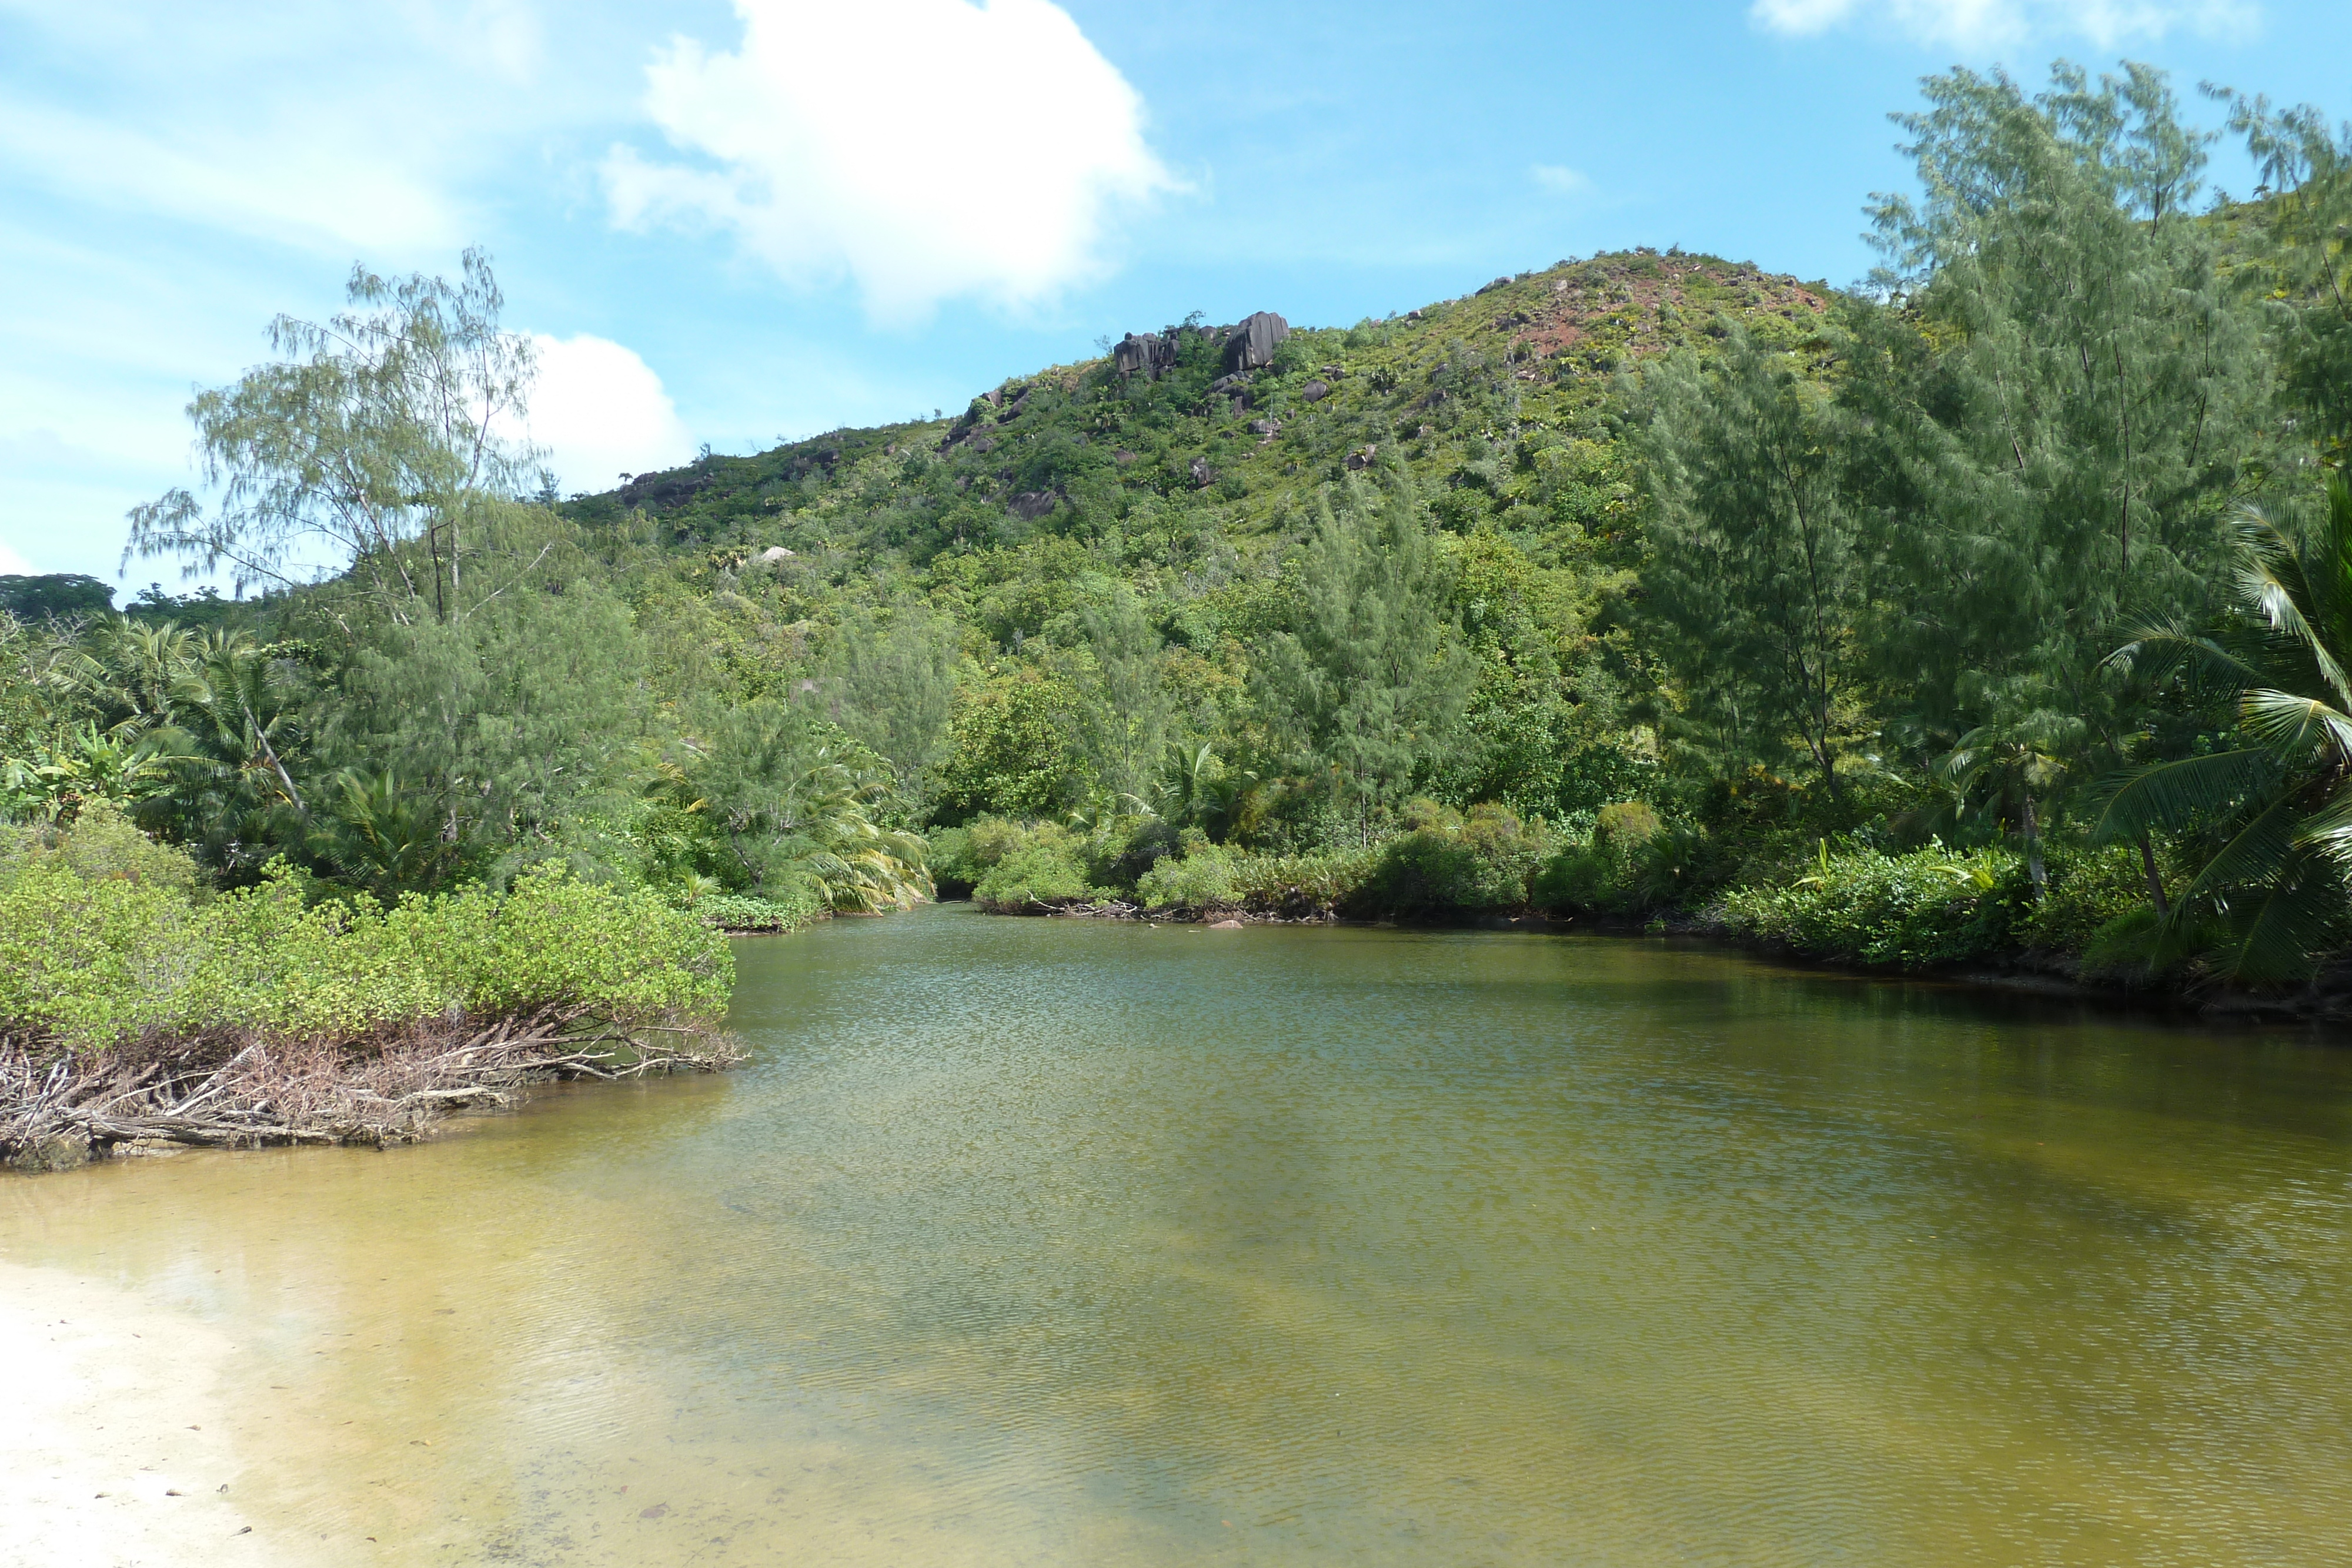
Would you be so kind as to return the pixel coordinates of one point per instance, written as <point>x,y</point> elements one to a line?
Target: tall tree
<point>2062,408</point>
<point>888,682</point>
<point>523,709</point>
<point>1365,687</point>
<point>2302,267</point>
<point>1124,712</point>
<point>1754,565</point>
<point>375,433</point>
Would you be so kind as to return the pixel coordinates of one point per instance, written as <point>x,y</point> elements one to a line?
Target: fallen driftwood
<point>59,1108</point>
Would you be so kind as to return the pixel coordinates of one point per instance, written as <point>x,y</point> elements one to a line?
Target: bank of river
<point>1088,1242</point>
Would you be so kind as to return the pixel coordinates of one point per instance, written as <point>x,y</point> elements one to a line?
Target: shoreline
<point>2015,973</point>
<point>118,1448</point>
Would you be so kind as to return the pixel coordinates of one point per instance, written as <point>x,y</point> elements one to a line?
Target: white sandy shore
<point>112,1448</point>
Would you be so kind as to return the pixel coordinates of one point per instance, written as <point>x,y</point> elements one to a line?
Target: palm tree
<point>2274,812</point>
<point>128,671</point>
<point>236,700</point>
<point>792,800</point>
<point>2023,759</point>
<point>384,837</point>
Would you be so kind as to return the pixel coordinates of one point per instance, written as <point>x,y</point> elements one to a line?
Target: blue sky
<point>728,223</point>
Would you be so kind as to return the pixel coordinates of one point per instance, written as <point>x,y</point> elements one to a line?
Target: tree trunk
<point>1829,772</point>
<point>2155,880</point>
<point>2033,867</point>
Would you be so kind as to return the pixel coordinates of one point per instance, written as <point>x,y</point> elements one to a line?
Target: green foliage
<point>2089,890</point>
<point>2269,812</point>
<point>2298,263</point>
<point>102,942</point>
<point>1013,748</point>
<point>1447,864</point>
<point>1203,878</point>
<point>100,845</point>
<point>56,596</point>
<point>1632,864</point>
<point>1626,823</point>
<point>1931,907</point>
<point>1757,570</point>
<point>1023,867</point>
<point>779,803</point>
<point>741,912</point>
<point>890,685</point>
<point>2054,276</point>
<point>1365,684</point>
<point>367,437</point>
<point>57,778</point>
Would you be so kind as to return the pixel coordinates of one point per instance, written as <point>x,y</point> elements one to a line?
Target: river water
<point>1075,1243</point>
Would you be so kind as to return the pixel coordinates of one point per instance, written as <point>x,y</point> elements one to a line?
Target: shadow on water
<point>1063,1242</point>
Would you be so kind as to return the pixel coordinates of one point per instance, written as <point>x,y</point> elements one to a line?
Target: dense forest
<point>1997,607</point>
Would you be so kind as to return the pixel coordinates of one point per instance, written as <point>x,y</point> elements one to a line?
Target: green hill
<point>1505,404</point>
<point>1187,494</point>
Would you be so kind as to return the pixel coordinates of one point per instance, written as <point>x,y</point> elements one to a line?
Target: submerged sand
<point>115,1446</point>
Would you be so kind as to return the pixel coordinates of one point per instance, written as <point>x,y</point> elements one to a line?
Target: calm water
<point>1066,1243</point>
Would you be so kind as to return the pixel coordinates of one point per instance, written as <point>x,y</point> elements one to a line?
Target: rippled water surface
<point>1066,1243</point>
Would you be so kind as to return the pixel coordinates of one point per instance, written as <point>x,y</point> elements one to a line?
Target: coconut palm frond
<point>2164,796</point>
<point>2299,912</point>
<point>2292,722</point>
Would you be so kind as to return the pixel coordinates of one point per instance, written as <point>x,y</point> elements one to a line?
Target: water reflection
<point>1065,1243</point>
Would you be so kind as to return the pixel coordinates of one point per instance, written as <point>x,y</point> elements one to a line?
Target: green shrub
<point>1201,878</point>
<point>2125,947</point>
<point>953,869</point>
<point>1633,864</point>
<point>1028,866</point>
<point>1122,850</point>
<point>1931,908</point>
<point>1626,823</point>
<point>87,962</point>
<point>1009,866</point>
<point>102,845</point>
<point>2089,891</point>
<point>1452,864</point>
<point>742,911</point>
<point>1302,884</point>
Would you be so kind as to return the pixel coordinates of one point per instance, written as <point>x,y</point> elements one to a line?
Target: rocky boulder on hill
<point>1250,342</point>
<point>1148,356</point>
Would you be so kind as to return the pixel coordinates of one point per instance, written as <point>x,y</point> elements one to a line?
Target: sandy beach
<point>116,1449</point>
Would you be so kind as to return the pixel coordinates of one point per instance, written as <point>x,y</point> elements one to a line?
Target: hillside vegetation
<point>1997,608</point>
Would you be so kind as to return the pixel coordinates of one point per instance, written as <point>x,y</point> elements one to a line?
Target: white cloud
<point>854,139</point>
<point>1560,180</point>
<point>1997,24</point>
<point>601,411</point>
<point>12,564</point>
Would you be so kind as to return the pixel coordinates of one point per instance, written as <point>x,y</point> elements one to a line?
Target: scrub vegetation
<point>1995,609</point>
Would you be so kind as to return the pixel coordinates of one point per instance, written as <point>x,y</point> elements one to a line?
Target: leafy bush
<point>953,869</point>
<point>91,957</point>
<point>2126,948</point>
<point>1201,878</point>
<point>1024,865</point>
<point>1448,864</point>
<point>1209,877</point>
<point>2089,891</point>
<point>1932,906</point>
<point>1633,864</point>
<point>742,911</point>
